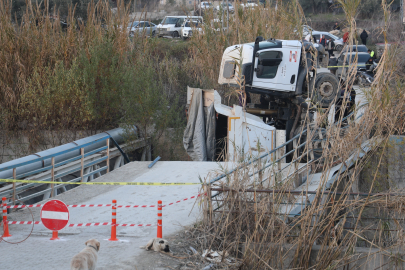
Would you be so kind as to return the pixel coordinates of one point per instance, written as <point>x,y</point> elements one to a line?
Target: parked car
<point>249,4</point>
<point>190,27</point>
<point>337,40</point>
<point>225,7</point>
<point>306,30</point>
<point>355,48</point>
<point>140,28</point>
<point>206,5</point>
<point>346,60</point>
<point>171,25</point>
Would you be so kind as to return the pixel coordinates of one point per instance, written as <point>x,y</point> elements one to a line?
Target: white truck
<point>284,73</point>
<point>171,25</point>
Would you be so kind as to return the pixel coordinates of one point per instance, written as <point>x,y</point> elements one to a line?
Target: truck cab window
<point>268,64</point>
<point>229,69</point>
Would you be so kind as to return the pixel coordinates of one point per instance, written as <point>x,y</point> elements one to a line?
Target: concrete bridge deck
<point>38,252</point>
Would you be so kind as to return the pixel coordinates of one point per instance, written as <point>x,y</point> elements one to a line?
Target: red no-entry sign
<point>55,215</point>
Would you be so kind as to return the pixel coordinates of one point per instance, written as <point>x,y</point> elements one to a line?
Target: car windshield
<point>169,20</point>
<point>356,49</point>
<point>133,24</point>
<point>362,58</point>
<point>361,49</point>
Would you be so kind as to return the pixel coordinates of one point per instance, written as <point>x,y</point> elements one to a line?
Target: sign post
<point>54,216</point>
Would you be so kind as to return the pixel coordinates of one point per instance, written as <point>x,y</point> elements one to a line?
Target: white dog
<point>87,258</point>
<point>157,244</point>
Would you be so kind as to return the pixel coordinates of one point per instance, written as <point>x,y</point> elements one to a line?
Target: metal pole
<point>108,155</point>
<point>82,163</point>
<point>227,14</point>
<point>222,15</point>
<point>52,175</point>
<point>15,177</point>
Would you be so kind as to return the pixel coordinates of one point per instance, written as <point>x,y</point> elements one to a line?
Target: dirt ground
<point>183,246</point>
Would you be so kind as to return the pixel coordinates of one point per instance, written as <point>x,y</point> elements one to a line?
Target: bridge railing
<point>87,163</point>
<point>299,152</point>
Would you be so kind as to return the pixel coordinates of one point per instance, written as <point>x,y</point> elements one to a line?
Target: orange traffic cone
<point>54,235</point>
<point>114,222</point>
<point>6,233</point>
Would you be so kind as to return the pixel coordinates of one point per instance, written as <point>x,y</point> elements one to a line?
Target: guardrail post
<point>15,177</point>
<point>108,155</point>
<point>114,222</point>
<point>210,209</point>
<point>159,223</point>
<point>5,222</point>
<point>82,164</point>
<point>52,176</point>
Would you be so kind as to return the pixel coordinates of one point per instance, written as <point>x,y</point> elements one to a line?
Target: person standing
<point>314,39</point>
<point>332,65</point>
<point>364,36</point>
<point>322,41</point>
<point>345,37</point>
<point>330,47</point>
<point>336,27</point>
<point>372,54</point>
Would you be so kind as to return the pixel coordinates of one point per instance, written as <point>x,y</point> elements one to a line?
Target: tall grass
<point>81,78</point>
<point>257,228</point>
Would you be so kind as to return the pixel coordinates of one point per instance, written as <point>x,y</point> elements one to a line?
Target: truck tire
<point>324,89</point>
<point>338,47</point>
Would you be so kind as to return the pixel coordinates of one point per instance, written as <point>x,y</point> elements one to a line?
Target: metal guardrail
<point>84,163</point>
<point>276,150</point>
<point>280,147</point>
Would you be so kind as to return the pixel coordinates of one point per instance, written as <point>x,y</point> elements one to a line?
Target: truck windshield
<point>268,71</point>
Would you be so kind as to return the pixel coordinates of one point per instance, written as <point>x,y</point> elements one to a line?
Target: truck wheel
<point>175,34</point>
<point>339,47</point>
<point>324,89</point>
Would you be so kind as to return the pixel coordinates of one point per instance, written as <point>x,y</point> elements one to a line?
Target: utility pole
<point>402,15</point>
<point>227,14</point>
<point>222,15</point>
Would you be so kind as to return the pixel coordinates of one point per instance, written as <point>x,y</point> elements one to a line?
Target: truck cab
<point>284,73</point>
<point>278,68</point>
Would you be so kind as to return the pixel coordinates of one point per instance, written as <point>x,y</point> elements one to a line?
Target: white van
<point>171,25</point>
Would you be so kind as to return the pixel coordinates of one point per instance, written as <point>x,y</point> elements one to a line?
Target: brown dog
<point>157,244</point>
<point>87,258</point>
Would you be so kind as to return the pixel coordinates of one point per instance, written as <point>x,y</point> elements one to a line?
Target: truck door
<point>277,69</point>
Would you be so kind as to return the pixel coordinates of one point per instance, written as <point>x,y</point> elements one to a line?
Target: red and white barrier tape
<point>192,197</point>
<point>104,205</point>
<point>82,224</point>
